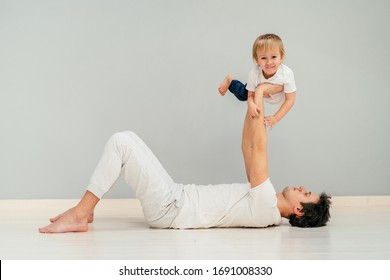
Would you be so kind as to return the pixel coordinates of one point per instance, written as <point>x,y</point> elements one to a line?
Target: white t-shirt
<point>283,76</point>
<point>228,205</point>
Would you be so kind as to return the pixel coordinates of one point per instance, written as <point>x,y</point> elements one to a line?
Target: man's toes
<point>43,230</point>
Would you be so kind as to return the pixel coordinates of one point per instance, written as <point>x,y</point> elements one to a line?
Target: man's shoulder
<point>266,186</point>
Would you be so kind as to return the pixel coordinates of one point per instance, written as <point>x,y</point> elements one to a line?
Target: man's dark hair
<point>315,214</point>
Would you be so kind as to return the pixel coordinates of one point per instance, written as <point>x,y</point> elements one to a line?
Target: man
<point>167,204</point>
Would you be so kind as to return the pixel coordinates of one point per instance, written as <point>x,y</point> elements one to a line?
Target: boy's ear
<point>298,211</point>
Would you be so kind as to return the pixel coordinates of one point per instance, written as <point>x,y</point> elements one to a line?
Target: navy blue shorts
<point>239,90</point>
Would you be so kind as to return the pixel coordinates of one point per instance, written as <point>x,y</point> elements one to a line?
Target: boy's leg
<point>239,90</point>
<point>223,87</point>
<point>235,87</point>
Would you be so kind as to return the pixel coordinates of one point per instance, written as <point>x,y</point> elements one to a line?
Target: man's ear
<point>298,211</point>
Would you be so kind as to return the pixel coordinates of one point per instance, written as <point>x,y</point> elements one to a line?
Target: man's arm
<point>258,169</point>
<point>246,144</point>
<point>253,109</point>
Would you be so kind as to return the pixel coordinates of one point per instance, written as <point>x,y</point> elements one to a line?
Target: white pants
<point>126,154</point>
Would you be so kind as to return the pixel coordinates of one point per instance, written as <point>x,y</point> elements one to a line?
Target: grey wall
<point>74,72</point>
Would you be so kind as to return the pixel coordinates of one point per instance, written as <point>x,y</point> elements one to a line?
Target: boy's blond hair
<point>266,42</point>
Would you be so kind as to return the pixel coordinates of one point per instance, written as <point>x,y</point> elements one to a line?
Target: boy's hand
<point>253,110</point>
<point>270,121</point>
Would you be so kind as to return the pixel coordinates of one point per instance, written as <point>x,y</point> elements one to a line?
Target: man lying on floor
<point>167,204</point>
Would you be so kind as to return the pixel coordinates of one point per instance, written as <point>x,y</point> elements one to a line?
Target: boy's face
<point>269,61</point>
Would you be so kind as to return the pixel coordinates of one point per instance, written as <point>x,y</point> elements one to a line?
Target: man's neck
<point>283,206</point>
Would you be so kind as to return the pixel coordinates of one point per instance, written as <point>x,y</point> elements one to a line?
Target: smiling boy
<point>268,53</point>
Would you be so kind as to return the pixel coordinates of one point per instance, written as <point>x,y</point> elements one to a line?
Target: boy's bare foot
<point>90,217</point>
<point>70,221</point>
<point>224,86</point>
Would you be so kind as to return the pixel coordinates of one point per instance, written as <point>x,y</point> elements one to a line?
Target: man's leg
<point>124,153</point>
<point>152,184</point>
<point>105,175</point>
<point>75,219</point>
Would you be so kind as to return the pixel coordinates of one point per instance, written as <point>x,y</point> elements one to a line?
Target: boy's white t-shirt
<point>227,205</point>
<point>283,76</point>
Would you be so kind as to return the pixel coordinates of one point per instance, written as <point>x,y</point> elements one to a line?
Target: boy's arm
<point>265,89</point>
<point>268,88</point>
<point>261,90</point>
<point>286,106</point>
<point>253,109</point>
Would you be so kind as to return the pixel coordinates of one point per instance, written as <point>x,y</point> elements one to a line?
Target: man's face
<point>297,196</point>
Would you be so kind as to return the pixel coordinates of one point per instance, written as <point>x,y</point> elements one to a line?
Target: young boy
<point>268,54</point>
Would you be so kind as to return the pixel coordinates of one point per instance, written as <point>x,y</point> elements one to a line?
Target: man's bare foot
<point>224,86</point>
<point>90,217</point>
<point>70,221</point>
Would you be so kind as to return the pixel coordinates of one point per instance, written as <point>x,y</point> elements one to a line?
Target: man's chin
<point>286,190</point>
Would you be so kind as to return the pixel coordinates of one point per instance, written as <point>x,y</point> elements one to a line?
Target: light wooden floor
<point>359,229</point>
